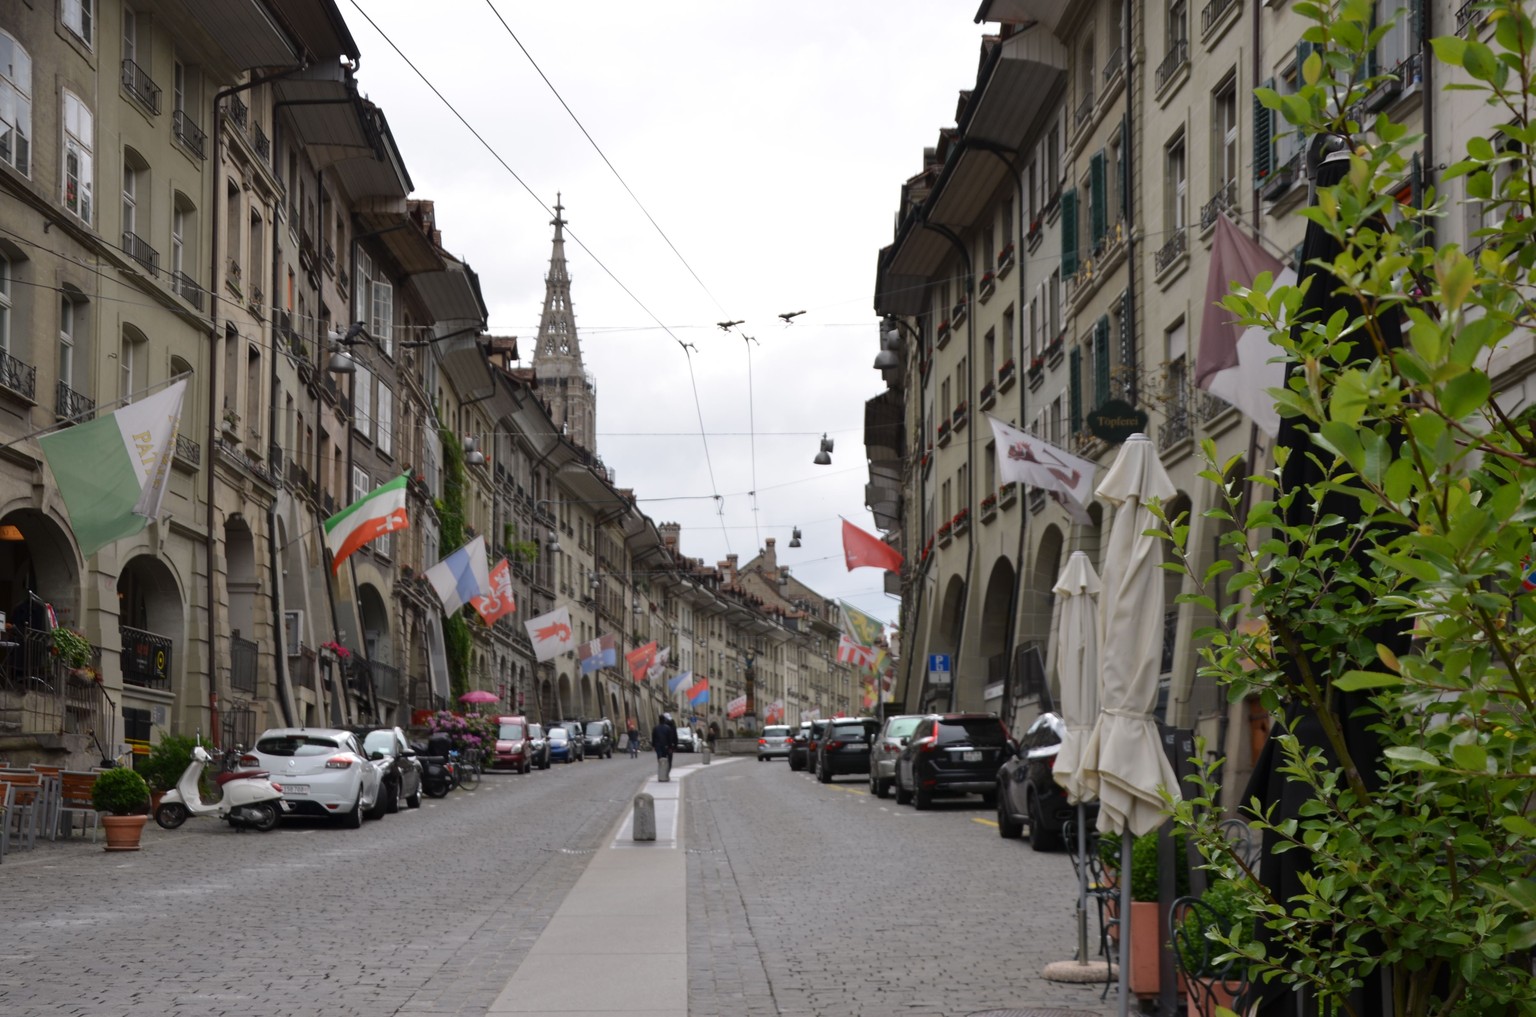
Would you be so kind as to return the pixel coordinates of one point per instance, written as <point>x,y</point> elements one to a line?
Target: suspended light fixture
<point>636,609</point>
<point>341,361</point>
<point>552,544</point>
<point>824,457</point>
<point>885,360</point>
<point>794,537</point>
<point>472,454</point>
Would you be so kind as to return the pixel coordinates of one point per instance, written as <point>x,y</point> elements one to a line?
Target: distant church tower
<point>563,381</point>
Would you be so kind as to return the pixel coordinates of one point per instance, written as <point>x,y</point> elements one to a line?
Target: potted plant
<point>1145,970</point>
<point>168,759</point>
<point>122,796</point>
<point>1207,931</point>
<point>72,648</point>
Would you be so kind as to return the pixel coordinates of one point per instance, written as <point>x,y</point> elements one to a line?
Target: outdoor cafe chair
<point>75,799</point>
<point>21,814</point>
<point>1102,895</point>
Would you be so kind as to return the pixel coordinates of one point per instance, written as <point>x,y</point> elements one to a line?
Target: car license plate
<point>295,789</point>
<point>970,757</point>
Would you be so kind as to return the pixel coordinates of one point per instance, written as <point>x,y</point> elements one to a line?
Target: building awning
<point>326,113</point>
<point>318,26</point>
<point>245,33</point>
<point>1022,12</point>
<point>389,225</point>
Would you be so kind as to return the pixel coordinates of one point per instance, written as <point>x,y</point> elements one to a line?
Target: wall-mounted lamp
<point>635,610</point>
<point>472,454</point>
<point>824,457</point>
<point>794,536</point>
<point>552,543</point>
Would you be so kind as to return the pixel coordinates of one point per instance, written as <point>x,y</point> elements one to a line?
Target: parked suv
<point>797,743</point>
<point>514,750</point>
<point>773,743</point>
<point>1027,791</point>
<point>888,745</point>
<point>845,747</point>
<point>598,735</point>
<point>952,753</point>
<point>813,742</point>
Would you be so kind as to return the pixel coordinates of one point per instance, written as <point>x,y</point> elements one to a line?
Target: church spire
<point>557,365</point>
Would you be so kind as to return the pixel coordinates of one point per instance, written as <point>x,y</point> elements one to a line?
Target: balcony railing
<point>17,376</point>
<point>1176,247</point>
<point>188,451</point>
<point>386,681</point>
<point>1178,56</point>
<point>190,291</point>
<point>1178,426</point>
<point>1224,199</point>
<point>242,665</point>
<point>1084,111</point>
<point>146,658</point>
<point>261,142</point>
<point>1213,12</point>
<point>188,133</point>
<point>1114,65</point>
<point>71,405</point>
<point>238,111</point>
<point>141,86</point>
<point>1469,17</point>
<point>139,250</point>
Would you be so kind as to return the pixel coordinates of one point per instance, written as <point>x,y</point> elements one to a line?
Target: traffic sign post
<point>938,670</point>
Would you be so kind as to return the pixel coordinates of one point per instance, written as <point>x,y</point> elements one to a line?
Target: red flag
<point>862,548</point>
<point>640,659</point>
<point>499,601</point>
<point>850,652</point>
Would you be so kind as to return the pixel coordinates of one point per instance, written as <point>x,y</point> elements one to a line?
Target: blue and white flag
<point>461,575</point>
<point>599,653</point>
<point>680,681</point>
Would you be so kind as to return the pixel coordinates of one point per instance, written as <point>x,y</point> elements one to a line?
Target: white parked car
<point>686,741</point>
<point>323,771</point>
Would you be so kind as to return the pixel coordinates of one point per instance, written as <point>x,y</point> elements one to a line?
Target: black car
<point>598,738</point>
<point>797,755</point>
<point>813,742</point>
<point>845,747</point>
<point>952,753</point>
<point>540,743</point>
<point>399,769</point>
<point>1027,792</point>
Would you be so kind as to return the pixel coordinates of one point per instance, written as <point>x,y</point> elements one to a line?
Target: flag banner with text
<point>112,471</point>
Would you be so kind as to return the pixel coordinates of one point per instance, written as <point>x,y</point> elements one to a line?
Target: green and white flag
<point>112,472</point>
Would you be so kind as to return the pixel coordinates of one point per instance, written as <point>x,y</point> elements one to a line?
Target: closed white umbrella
<point>1123,760</point>
<point>1077,670</point>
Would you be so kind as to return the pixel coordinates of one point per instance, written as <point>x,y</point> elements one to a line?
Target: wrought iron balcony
<point>386,681</point>
<point>242,665</point>
<point>1114,65</point>
<point>238,111</point>
<point>17,376</point>
<point>139,250</point>
<point>1176,247</point>
<point>1469,17</point>
<point>1178,56</point>
<point>145,658</point>
<point>188,133</point>
<point>71,405</point>
<point>190,291</point>
<point>1084,111</point>
<point>1224,198</point>
<point>188,451</point>
<point>1178,426</point>
<point>260,140</point>
<point>1213,12</point>
<point>141,86</point>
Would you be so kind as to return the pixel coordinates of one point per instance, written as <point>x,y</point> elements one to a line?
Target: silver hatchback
<point>774,742</point>
<point>887,747</point>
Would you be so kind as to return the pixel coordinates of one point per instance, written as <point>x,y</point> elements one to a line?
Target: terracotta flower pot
<point>123,832</point>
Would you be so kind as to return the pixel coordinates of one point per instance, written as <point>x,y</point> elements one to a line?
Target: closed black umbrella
<point>1283,872</point>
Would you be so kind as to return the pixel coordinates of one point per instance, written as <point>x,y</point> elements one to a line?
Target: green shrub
<point>1203,935</point>
<point>167,761</point>
<point>1144,872</point>
<point>120,792</point>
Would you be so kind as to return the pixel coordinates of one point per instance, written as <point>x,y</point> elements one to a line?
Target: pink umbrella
<point>479,696</point>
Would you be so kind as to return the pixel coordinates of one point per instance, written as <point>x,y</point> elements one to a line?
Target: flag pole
<point>120,401</point>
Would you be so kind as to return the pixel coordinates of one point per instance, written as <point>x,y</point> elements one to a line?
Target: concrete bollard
<point>706,755</point>
<point>645,817</point>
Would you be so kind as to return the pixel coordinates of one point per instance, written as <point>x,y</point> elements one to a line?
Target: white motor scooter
<point>246,797</point>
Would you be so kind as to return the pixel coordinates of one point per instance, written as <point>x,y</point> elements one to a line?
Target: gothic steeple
<point>557,365</point>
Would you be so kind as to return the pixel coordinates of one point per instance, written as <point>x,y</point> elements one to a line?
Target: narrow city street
<point>801,899</point>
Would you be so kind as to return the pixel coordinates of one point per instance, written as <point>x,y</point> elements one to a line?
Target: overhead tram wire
<point>602,155</point>
<point>686,347</point>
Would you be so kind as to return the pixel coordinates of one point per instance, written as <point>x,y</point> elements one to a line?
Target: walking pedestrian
<point>632,728</point>
<point>664,741</point>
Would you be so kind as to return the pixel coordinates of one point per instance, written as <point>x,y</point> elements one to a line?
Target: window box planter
<point>987,287</point>
<point>957,316</point>
<point>961,522</point>
<point>1007,494</point>
<point>941,338</point>
<point>989,508</point>
<point>1053,348</point>
<point>960,416</point>
<point>927,549</point>
<point>1005,377</point>
<point>1005,259</point>
<point>945,534</point>
<point>1277,183</point>
<point>1036,366</point>
<point>944,433</point>
<point>988,395</point>
<point>1034,232</point>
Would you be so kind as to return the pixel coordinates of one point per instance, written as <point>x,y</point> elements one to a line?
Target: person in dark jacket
<point>664,741</point>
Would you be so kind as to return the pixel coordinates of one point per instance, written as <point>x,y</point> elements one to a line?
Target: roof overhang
<point>326,113</point>
<point>318,26</point>
<point>244,32</point>
<point>389,225</point>
<point>1023,12</point>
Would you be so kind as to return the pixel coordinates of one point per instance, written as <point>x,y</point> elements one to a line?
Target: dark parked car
<point>952,753</point>
<point>399,770</point>
<point>888,745</point>
<point>797,756</point>
<point>597,737</point>
<point>1027,792</point>
<point>539,742</point>
<point>562,748</point>
<point>576,736</point>
<point>813,742</point>
<point>845,747</point>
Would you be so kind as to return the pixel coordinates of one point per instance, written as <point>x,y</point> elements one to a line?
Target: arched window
<point>78,158</point>
<point>132,362</point>
<point>136,213</point>
<point>15,105</point>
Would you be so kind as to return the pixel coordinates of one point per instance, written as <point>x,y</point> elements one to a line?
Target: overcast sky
<point>768,141</point>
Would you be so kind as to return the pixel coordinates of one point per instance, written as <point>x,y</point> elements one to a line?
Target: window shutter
<point>1076,390</point>
<point>1101,361</point>
<point>1125,176</point>
<point>1069,232</point>
<point>1097,209</point>
<point>1263,138</point>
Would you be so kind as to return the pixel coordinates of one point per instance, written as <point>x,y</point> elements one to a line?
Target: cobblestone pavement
<point>427,912</point>
<point>812,900</point>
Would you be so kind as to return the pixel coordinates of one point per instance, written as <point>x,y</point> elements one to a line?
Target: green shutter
<point>1101,361</point>
<point>1075,392</point>
<point>1068,232</point>
<point>1263,139</point>
<point>1097,205</point>
<point>1125,176</point>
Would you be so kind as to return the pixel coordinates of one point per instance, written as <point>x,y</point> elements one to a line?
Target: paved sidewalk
<point>619,940</point>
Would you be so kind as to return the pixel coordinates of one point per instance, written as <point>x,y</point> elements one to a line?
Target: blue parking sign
<point>938,669</point>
